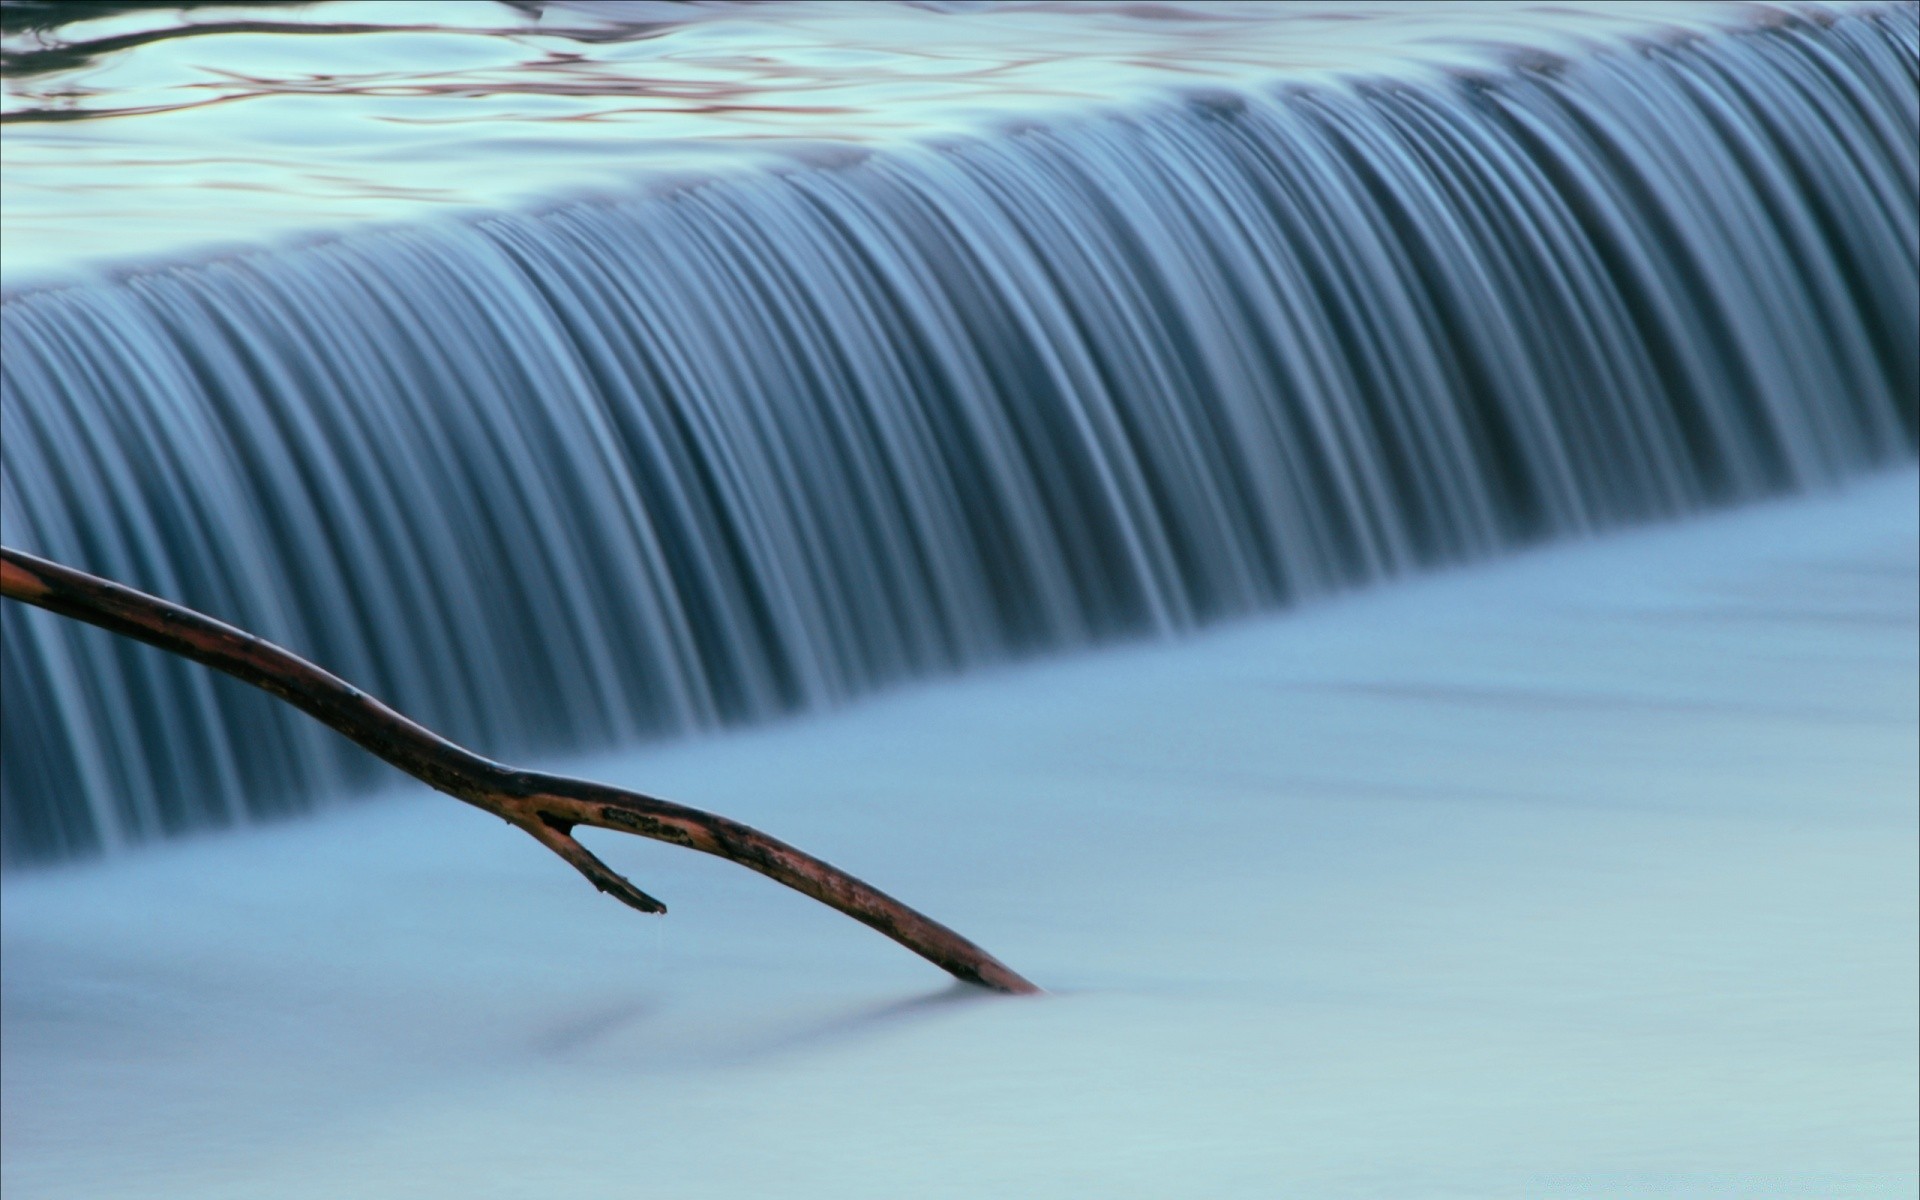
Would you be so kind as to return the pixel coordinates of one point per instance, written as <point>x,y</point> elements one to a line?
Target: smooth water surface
<point>1590,874</point>
<point>149,135</point>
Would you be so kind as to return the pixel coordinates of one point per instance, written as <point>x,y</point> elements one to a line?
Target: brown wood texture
<point>548,807</point>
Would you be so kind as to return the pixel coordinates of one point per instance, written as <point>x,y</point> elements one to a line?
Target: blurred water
<point>664,463</point>
<point>1586,874</point>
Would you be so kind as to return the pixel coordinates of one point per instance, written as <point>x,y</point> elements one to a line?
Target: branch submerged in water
<point>547,807</point>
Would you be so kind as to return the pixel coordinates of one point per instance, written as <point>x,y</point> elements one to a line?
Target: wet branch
<point>548,807</point>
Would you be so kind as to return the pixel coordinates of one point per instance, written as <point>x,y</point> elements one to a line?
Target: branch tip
<point>548,807</point>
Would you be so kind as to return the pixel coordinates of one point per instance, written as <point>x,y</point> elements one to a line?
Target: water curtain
<point>622,470</point>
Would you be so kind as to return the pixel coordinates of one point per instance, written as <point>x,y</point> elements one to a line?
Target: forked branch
<point>548,807</point>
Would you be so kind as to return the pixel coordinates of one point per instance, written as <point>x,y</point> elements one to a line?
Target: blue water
<point>155,134</point>
<point>734,448</point>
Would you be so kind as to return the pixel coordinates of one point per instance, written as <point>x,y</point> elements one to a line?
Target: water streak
<point>625,469</point>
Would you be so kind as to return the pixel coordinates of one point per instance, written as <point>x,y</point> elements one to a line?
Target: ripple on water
<point>152,134</point>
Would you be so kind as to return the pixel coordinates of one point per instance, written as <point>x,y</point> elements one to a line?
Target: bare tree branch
<point>548,807</point>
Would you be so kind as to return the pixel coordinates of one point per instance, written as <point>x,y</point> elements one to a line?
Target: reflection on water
<point>141,134</point>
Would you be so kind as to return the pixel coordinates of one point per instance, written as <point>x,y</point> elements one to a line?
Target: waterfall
<point>629,468</point>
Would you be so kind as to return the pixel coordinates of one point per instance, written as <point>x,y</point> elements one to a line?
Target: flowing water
<point>147,135</point>
<point>718,450</point>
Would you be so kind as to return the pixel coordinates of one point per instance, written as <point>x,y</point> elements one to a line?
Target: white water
<point>1587,874</point>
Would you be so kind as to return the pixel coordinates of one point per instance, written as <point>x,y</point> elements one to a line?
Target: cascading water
<point>625,468</point>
